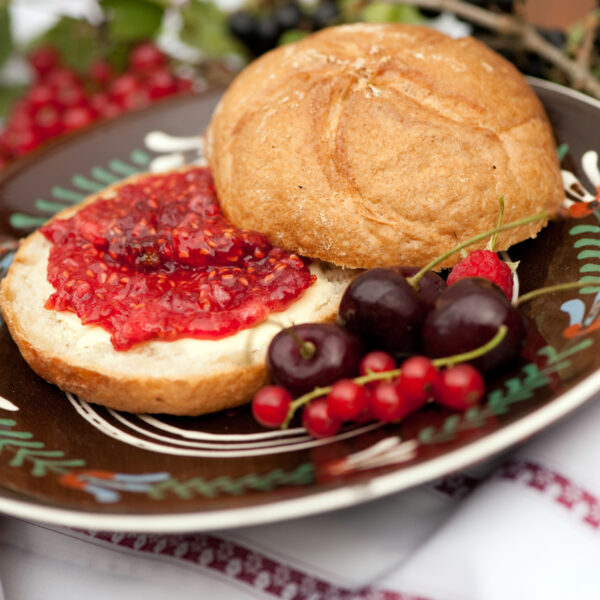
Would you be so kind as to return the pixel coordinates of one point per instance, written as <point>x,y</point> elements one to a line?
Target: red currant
<point>161,83</point>
<point>70,96</point>
<point>317,421</point>
<point>20,118</point>
<point>418,380</point>
<point>47,122</point>
<point>77,117</point>
<point>101,72</point>
<point>59,78</point>
<point>387,403</point>
<point>184,84</point>
<point>135,99</point>
<point>43,60</point>
<point>103,106</point>
<point>376,362</point>
<point>461,387</point>
<point>123,86</point>
<point>38,97</point>
<point>271,405</point>
<point>347,400</point>
<point>19,141</point>
<point>146,57</point>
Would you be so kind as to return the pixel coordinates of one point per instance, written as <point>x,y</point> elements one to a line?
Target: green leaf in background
<point>132,20</point>
<point>77,41</point>
<point>6,43</point>
<point>382,12</point>
<point>205,27</point>
<point>575,35</point>
<point>8,94</point>
<point>290,36</point>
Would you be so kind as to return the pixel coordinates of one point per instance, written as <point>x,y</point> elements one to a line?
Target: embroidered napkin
<point>525,525</point>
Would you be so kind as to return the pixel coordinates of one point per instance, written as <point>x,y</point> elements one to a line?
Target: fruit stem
<point>447,361</point>
<point>300,401</point>
<point>415,279</point>
<point>499,222</point>
<point>307,349</point>
<point>555,288</point>
<point>450,361</point>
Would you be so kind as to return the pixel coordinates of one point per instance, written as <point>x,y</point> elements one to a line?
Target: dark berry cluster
<point>61,100</point>
<point>262,31</point>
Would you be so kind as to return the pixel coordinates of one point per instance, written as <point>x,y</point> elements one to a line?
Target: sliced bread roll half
<point>373,144</point>
<point>183,377</point>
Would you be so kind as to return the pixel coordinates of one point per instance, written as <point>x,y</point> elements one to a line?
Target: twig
<point>584,52</point>
<point>505,24</point>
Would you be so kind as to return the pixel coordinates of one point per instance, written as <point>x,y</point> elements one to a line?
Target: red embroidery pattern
<point>457,485</point>
<point>244,565</point>
<point>561,488</point>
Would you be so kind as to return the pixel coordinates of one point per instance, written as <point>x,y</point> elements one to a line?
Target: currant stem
<point>415,279</point>
<point>555,288</point>
<point>305,399</point>
<point>447,361</point>
<point>472,354</point>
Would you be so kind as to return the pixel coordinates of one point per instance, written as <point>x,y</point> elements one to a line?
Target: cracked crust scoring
<point>368,145</point>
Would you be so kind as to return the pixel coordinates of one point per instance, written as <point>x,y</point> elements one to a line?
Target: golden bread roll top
<point>370,144</point>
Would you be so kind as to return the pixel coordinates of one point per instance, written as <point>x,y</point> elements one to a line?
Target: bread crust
<point>382,144</point>
<point>96,375</point>
<point>190,396</point>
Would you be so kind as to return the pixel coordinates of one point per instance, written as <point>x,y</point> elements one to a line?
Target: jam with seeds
<point>159,261</point>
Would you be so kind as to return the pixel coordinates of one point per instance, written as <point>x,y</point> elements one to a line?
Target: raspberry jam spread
<point>159,261</point>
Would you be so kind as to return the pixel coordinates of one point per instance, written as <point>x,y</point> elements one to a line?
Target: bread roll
<point>183,377</point>
<point>368,145</point>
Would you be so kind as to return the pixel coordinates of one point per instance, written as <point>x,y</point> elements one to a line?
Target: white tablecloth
<point>523,526</point>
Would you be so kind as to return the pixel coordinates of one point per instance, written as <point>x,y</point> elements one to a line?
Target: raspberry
<point>487,264</point>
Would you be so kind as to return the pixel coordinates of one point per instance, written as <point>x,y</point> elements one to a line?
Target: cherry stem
<point>307,349</point>
<point>556,288</point>
<point>415,279</point>
<point>500,215</point>
<point>447,361</point>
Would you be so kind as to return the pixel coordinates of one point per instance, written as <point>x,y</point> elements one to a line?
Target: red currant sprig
<point>350,399</point>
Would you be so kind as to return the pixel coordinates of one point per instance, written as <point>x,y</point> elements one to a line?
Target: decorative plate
<point>67,462</point>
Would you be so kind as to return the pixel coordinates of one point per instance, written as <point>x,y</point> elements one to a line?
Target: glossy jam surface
<point>159,261</point>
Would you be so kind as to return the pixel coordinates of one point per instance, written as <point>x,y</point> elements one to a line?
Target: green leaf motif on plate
<point>516,389</point>
<point>28,451</point>
<point>198,486</point>
<point>98,179</point>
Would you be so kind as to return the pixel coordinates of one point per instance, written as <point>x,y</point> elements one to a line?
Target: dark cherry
<point>325,14</point>
<point>384,311</point>
<point>467,315</point>
<point>288,16</point>
<point>242,25</point>
<point>268,31</point>
<point>430,288</point>
<point>556,37</point>
<point>336,354</point>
